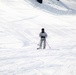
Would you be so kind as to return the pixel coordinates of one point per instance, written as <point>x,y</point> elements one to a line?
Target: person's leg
<point>44,44</point>
<point>41,43</point>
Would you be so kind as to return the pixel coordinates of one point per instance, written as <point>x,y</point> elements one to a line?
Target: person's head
<point>42,30</point>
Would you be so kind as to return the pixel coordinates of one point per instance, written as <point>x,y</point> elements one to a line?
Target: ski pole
<point>48,44</point>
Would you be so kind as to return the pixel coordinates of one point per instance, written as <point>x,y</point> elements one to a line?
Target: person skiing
<point>40,1</point>
<point>43,36</point>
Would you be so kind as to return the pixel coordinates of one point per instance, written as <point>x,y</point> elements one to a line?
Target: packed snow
<point>21,22</point>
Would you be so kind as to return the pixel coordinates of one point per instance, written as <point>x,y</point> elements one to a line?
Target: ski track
<point>20,64</point>
<point>51,7</point>
<point>19,29</point>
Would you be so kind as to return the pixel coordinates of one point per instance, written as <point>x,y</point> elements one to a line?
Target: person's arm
<point>46,35</point>
<point>40,35</point>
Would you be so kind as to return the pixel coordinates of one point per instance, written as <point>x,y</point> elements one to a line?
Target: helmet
<point>42,28</point>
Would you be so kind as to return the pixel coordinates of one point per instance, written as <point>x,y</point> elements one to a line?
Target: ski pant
<point>43,43</point>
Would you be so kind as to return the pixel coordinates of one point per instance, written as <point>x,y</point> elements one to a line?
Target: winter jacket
<point>43,35</point>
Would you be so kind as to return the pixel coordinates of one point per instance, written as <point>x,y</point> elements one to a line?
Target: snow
<point>20,24</point>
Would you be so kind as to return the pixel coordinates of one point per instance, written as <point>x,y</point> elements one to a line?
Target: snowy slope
<point>62,7</point>
<point>20,24</point>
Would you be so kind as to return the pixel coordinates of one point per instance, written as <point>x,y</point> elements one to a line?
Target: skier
<point>43,36</point>
<point>40,1</point>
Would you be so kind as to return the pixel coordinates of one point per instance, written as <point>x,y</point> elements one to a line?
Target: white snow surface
<point>20,24</point>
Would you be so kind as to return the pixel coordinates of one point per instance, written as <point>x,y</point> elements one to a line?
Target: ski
<point>38,48</point>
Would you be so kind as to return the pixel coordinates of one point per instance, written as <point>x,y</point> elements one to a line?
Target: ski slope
<point>20,24</point>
